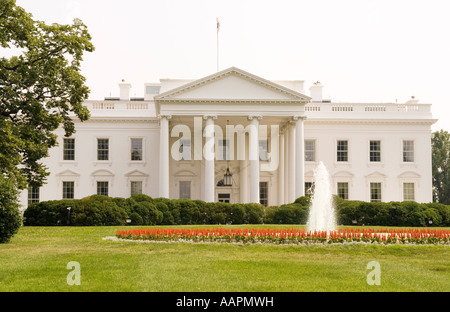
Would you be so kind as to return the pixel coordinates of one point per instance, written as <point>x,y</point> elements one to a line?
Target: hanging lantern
<point>227,178</point>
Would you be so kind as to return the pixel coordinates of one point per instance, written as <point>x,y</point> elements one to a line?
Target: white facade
<point>373,151</point>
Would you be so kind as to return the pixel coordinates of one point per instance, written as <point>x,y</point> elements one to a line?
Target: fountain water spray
<point>322,213</point>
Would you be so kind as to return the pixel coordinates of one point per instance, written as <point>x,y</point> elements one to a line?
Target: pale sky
<point>361,50</point>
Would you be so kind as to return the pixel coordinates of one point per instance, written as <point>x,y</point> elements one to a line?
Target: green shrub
<point>254,213</point>
<point>291,214</point>
<point>10,216</point>
<point>144,210</point>
<point>237,214</point>
<point>269,214</point>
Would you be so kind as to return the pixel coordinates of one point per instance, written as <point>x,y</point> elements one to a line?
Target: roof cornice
<point>231,71</point>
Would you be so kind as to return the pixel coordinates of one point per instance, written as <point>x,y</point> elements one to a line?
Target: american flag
<point>218,25</point>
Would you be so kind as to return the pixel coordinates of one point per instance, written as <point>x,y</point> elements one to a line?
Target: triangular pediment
<point>102,172</point>
<point>68,173</point>
<point>232,84</point>
<point>376,174</point>
<point>136,173</point>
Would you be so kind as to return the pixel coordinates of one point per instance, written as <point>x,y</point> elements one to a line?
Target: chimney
<point>316,92</point>
<point>412,100</point>
<point>124,90</point>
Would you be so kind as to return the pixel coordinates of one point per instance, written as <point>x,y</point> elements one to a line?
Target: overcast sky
<point>361,50</point>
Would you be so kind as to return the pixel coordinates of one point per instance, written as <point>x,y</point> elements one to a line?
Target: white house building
<point>236,137</point>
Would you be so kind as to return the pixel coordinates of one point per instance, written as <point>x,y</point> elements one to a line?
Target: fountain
<point>321,214</point>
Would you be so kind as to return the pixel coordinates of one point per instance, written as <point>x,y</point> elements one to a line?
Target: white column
<point>254,158</point>
<point>286,165</point>
<point>164,155</point>
<point>209,158</point>
<point>299,156</point>
<point>243,172</point>
<point>291,170</point>
<point>281,169</point>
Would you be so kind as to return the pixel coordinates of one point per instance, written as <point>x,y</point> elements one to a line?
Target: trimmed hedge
<point>144,210</point>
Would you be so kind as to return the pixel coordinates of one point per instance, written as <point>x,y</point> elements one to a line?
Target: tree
<point>41,89</point>
<point>441,166</point>
<point>10,217</point>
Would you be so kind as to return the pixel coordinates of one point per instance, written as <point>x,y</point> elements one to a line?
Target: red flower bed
<point>290,235</point>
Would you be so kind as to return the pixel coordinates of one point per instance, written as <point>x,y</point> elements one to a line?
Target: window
<point>224,150</point>
<point>342,190</point>
<point>136,149</point>
<point>185,149</point>
<point>310,150</point>
<point>375,192</point>
<point>375,151</point>
<point>408,192</point>
<point>102,149</point>
<point>223,198</point>
<point>33,195</point>
<point>68,190</point>
<point>309,189</point>
<point>185,189</point>
<point>102,188</point>
<point>263,150</point>
<point>69,149</point>
<point>136,187</point>
<point>264,193</point>
<point>408,151</point>
<point>342,150</point>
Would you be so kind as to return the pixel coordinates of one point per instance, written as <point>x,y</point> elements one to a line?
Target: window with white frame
<point>102,149</point>
<point>375,151</point>
<point>185,189</point>
<point>33,195</point>
<point>309,189</point>
<point>223,197</point>
<point>408,191</point>
<point>136,187</point>
<point>342,190</point>
<point>103,188</point>
<point>408,151</point>
<point>310,150</point>
<point>136,149</point>
<point>342,151</point>
<point>375,192</point>
<point>263,150</point>
<point>185,149</point>
<point>69,149</point>
<point>223,150</point>
<point>264,193</point>
<point>68,190</point>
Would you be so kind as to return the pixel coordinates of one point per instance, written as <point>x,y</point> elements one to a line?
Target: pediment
<point>185,173</point>
<point>68,173</point>
<point>232,84</point>
<point>343,174</point>
<point>102,172</point>
<point>136,173</point>
<point>409,175</point>
<point>376,174</point>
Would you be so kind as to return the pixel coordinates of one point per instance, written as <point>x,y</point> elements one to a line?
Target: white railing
<point>342,108</point>
<point>137,105</point>
<point>375,108</point>
<point>103,105</point>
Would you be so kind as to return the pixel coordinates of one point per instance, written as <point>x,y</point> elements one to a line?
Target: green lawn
<point>36,260</point>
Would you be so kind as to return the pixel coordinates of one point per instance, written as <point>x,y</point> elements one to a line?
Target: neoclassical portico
<point>257,113</point>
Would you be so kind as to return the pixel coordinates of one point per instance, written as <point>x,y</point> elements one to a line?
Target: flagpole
<point>217,51</point>
<point>218,27</point>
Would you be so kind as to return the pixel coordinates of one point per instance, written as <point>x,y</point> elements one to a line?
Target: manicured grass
<point>36,260</point>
